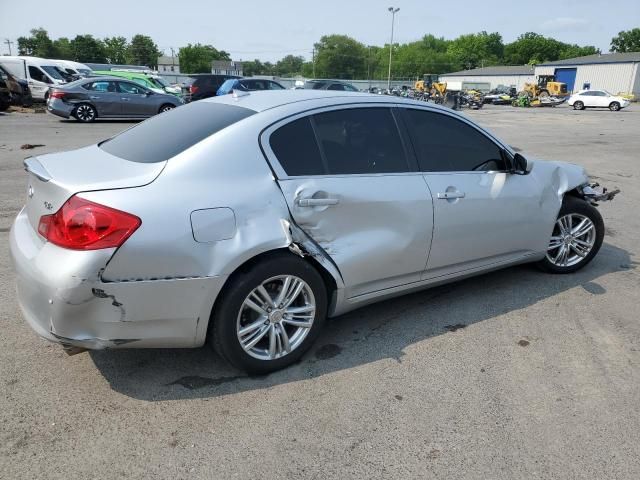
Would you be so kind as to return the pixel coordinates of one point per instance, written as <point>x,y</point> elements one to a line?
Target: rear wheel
<point>85,113</point>
<point>269,316</point>
<point>578,105</point>
<point>576,238</point>
<point>614,106</point>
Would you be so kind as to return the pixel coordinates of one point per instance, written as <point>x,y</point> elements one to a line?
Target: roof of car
<point>266,99</point>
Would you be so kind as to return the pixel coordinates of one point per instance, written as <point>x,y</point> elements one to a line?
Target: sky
<point>269,30</point>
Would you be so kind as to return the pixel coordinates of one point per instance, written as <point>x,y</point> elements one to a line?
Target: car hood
<point>562,176</point>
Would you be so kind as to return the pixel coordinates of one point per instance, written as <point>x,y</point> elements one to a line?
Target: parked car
<point>597,98</point>
<point>151,82</point>
<point>108,97</point>
<point>206,85</point>
<point>40,73</point>
<point>248,85</point>
<point>18,89</point>
<point>329,85</point>
<point>271,211</point>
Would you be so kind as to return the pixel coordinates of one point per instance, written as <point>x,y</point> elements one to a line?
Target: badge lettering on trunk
<point>30,191</point>
<point>47,205</point>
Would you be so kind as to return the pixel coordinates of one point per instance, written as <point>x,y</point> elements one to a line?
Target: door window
<point>38,75</point>
<point>336,86</point>
<point>295,146</point>
<point>100,86</point>
<point>275,86</point>
<point>360,141</point>
<point>126,87</point>
<point>446,144</point>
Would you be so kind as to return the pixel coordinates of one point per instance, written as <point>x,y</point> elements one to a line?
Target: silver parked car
<point>274,210</point>
<point>108,97</point>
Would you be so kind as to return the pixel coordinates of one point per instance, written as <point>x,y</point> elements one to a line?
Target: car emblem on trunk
<point>47,205</point>
<point>30,191</point>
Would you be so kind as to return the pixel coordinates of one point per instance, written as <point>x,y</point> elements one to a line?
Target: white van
<point>40,73</point>
<point>74,68</point>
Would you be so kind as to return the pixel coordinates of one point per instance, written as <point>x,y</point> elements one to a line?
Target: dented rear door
<point>349,185</point>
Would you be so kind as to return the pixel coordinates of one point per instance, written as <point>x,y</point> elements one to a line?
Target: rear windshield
<point>170,133</point>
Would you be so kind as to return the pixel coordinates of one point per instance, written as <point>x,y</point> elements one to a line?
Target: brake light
<point>57,94</point>
<point>83,225</point>
<point>193,89</point>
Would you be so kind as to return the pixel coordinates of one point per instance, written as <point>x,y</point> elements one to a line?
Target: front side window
<point>360,141</point>
<point>126,87</point>
<point>101,86</point>
<point>446,144</point>
<point>275,86</point>
<point>38,75</point>
<point>336,86</point>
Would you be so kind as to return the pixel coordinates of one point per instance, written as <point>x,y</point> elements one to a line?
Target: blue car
<point>248,85</point>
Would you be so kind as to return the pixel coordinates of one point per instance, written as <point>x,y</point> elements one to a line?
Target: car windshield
<point>227,85</point>
<point>607,92</point>
<point>85,71</point>
<point>164,136</point>
<point>53,72</point>
<point>159,81</point>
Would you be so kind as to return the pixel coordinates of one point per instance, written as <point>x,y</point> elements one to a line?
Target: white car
<point>597,98</point>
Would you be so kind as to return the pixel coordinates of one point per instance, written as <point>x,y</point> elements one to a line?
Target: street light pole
<point>393,17</point>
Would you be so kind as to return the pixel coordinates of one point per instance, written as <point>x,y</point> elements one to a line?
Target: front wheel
<point>269,316</point>
<point>576,238</point>
<point>614,107</point>
<point>166,107</point>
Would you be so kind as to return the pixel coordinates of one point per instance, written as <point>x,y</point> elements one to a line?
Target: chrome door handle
<point>449,195</point>
<point>316,202</point>
<point>124,99</point>
<point>94,98</point>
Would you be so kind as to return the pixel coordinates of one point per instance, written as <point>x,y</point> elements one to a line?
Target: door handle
<point>124,99</point>
<point>316,202</point>
<point>94,97</point>
<point>450,195</point>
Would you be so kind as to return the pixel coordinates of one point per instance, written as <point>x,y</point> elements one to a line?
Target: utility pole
<point>393,17</point>
<point>313,60</point>
<point>369,67</point>
<point>173,60</point>
<point>9,43</point>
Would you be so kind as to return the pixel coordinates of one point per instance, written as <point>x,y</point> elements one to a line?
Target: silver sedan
<point>248,219</point>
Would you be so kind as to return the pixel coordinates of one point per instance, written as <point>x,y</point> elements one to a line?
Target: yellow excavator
<point>430,84</point>
<point>546,87</point>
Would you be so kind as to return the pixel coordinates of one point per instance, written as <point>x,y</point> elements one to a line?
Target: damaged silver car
<point>248,219</point>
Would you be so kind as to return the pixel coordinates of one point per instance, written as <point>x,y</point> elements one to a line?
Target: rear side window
<point>295,146</point>
<point>168,134</point>
<point>100,86</point>
<point>360,141</point>
<point>446,144</point>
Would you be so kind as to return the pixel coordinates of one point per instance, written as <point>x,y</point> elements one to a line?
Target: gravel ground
<point>514,374</point>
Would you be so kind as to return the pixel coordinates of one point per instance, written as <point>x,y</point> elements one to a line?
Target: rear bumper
<point>59,108</point>
<point>64,300</point>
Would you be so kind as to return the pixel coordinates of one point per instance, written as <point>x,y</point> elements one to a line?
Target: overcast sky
<point>271,29</point>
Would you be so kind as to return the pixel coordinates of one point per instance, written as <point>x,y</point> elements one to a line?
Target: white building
<point>226,67</point>
<point>168,65</point>
<point>615,72</point>
<point>510,76</point>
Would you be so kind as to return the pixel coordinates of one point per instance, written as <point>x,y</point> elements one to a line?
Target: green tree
<point>531,48</point>
<point>573,51</point>
<point>626,41</point>
<point>197,58</point>
<point>340,56</point>
<point>476,50</point>
<point>86,48</point>
<point>115,49</point>
<point>62,49</point>
<point>143,51</point>
<point>289,66</point>
<point>38,44</point>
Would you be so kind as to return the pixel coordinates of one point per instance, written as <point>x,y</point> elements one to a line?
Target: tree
<point>62,49</point>
<point>38,44</point>
<point>115,49</point>
<point>340,56</point>
<point>85,48</point>
<point>626,41</point>
<point>289,66</point>
<point>197,58</point>
<point>476,50</point>
<point>143,51</point>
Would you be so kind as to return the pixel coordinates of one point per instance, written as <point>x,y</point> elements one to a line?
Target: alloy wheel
<point>166,108</point>
<point>85,113</point>
<point>276,317</point>
<point>573,238</point>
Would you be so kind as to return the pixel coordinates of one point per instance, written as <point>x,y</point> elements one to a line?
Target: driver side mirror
<point>149,93</point>
<point>521,166</point>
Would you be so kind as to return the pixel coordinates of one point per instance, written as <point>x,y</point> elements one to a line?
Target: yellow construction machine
<point>430,84</point>
<point>546,87</point>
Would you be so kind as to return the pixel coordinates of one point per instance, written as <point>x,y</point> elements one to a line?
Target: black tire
<point>578,105</point>
<point>614,106</point>
<point>574,205</point>
<point>166,107</point>
<point>85,113</point>
<point>543,94</point>
<point>224,317</point>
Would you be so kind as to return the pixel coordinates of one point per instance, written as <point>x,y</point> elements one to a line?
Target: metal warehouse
<point>515,76</point>
<point>615,72</point>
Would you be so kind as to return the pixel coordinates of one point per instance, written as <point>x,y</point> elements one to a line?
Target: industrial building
<point>615,72</point>
<point>510,76</point>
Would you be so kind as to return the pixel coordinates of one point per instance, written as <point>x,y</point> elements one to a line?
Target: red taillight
<point>57,94</point>
<point>193,89</point>
<point>84,225</point>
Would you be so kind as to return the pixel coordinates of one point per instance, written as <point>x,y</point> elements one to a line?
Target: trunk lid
<point>55,177</point>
